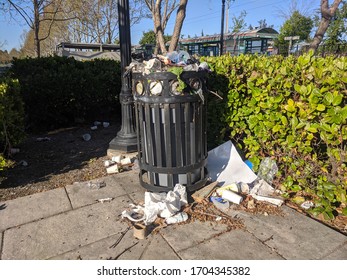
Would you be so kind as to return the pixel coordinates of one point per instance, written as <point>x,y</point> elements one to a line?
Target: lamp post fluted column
<point>126,139</point>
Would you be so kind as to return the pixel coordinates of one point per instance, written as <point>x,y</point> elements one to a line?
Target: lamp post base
<point>118,143</point>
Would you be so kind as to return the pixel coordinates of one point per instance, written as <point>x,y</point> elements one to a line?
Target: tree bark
<point>327,14</point>
<point>158,27</point>
<point>181,14</point>
<point>37,28</point>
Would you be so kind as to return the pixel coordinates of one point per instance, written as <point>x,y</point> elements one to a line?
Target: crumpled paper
<point>164,205</point>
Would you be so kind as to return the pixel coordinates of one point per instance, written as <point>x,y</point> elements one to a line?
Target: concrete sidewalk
<point>70,223</point>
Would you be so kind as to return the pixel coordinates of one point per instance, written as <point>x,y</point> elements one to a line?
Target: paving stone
<point>137,197</point>
<point>159,249</point>
<point>153,247</point>
<point>294,236</point>
<point>30,208</point>
<point>338,254</point>
<point>129,181</point>
<point>81,194</point>
<point>106,249</point>
<point>64,232</point>
<point>233,245</point>
<point>183,236</point>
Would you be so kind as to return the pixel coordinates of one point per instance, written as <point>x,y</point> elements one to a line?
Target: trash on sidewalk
<point>14,151</point>
<point>43,139</point>
<point>118,164</point>
<point>116,159</point>
<point>112,169</point>
<point>97,123</point>
<point>232,197</point>
<point>204,192</point>
<point>156,205</point>
<point>108,163</point>
<point>164,205</point>
<point>307,205</point>
<point>96,185</point>
<point>140,231</point>
<point>125,161</point>
<point>108,199</point>
<point>227,167</point>
<point>135,213</point>
<point>267,170</point>
<point>23,163</point>
<point>177,218</point>
<point>272,200</point>
<point>86,137</point>
<point>235,175</point>
<point>255,206</point>
<point>262,191</point>
<point>220,203</point>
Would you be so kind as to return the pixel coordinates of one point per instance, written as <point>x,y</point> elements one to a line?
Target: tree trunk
<point>158,27</point>
<point>181,14</point>
<point>327,15</point>
<point>37,28</point>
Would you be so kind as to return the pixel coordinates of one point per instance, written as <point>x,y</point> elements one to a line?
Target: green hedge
<point>11,117</point>
<point>59,90</point>
<point>293,110</point>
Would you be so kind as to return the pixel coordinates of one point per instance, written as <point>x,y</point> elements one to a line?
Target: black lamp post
<point>222,29</point>
<point>126,139</point>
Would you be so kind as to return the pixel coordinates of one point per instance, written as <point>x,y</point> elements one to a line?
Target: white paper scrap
<point>225,165</point>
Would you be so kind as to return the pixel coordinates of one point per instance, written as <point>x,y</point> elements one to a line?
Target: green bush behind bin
<point>291,109</point>
<point>59,90</point>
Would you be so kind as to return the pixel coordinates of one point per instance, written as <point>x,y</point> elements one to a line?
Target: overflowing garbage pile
<point>159,63</point>
<point>234,187</point>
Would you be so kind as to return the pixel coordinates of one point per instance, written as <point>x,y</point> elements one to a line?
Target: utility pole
<point>227,17</point>
<point>291,39</point>
<point>222,29</point>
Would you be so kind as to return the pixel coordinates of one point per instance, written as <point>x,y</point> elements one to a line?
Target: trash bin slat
<point>171,132</point>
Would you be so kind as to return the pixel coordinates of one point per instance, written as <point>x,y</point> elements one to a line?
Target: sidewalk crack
<point>68,197</point>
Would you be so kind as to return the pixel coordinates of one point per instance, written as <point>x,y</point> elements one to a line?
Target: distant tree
<point>238,22</point>
<point>4,56</point>
<point>202,33</point>
<point>296,25</point>
<point>150,38</point>
<point>250,27</point>
<point>35,13</point>
<point>263,24</point>
<point>14,53</point>
<point>327,15</point>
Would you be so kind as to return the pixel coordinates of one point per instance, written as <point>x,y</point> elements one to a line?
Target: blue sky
<point>202,15</point>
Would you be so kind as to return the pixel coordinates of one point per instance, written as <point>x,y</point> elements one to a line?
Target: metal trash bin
<point>171,130</point>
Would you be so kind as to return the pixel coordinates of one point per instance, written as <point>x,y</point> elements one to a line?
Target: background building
<point>252,41</point>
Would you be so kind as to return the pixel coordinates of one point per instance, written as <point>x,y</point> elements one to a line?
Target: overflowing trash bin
<point>171,128</point>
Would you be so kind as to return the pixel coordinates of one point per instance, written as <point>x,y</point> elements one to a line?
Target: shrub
<point>11,117</point>
<point>293,110</point>
<point>59,90</point>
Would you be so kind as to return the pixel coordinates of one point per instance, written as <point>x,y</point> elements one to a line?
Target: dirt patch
<point>57,159</point>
